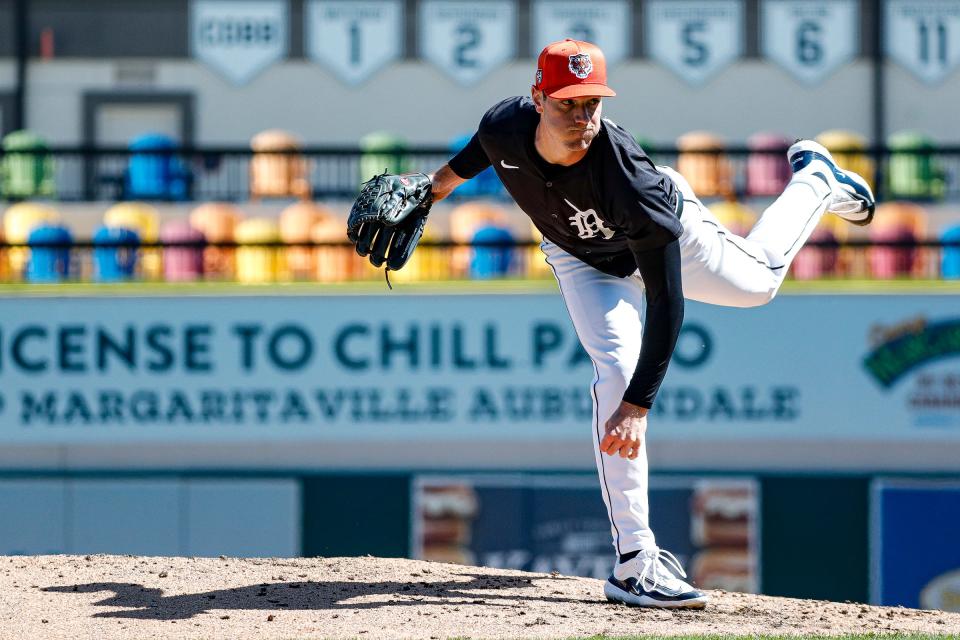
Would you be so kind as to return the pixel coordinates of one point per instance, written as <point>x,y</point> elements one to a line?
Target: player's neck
<point>554,151</point>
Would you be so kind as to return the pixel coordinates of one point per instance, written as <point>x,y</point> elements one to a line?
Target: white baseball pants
<point>718,268</point>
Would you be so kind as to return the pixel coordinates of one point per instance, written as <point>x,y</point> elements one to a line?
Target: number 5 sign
<point>695,38</point>
<point>810,38</point>
<point>924,36</point>
<point>466,38</point>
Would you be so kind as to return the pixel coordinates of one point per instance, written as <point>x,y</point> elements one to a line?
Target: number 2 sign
<point>467,39</point>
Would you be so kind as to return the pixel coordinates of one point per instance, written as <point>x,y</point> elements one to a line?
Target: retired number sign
<point>466,39</point>
<point>810,38</point>
<point>238,38</point>
<point>605,23</point>
<point>924,36</point>
<point>354,38</point>
<point>695,38</point>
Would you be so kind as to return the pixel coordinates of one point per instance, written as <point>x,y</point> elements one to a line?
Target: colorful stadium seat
<point>734,216</point>
<point>337,263</point>
<point>26,170</point>
<point>217,221</point>
<point>768,170</point>
<point>278,169</point>
<point>145,220</point>
<point>849,150</point>
<point>113,263</point>
<point>465,220</point>
<point>49,264</point>
<point>950,262</point>
<point>256,265</point>
<point>182,264</point>
<point>491,262</point>
<point>914,172</point>
<point>484,185</point>
<point>701,162</point>
<point>896,222</point>
<point>159,175</point>
<point>296,226</point>
<point>18,221</point>
<point>383,151</point>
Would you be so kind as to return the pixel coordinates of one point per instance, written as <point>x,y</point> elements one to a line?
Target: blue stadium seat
<point>156,176</point>
<point>112,263</point>
<point>49,264</point>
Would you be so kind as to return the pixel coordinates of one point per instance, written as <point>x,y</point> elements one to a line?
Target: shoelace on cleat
<point>651,572</point>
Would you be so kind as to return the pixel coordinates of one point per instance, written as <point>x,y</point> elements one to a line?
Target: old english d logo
<point>581,65</point>
<point>588,223</point>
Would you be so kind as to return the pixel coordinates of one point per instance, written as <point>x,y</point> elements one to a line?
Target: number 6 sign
<point>810,38</point>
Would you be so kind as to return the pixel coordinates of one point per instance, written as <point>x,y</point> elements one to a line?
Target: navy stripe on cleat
<point>653,578</point>
<point>852,199</point>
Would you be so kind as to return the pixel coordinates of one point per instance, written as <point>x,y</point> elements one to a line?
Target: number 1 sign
<point>354,39</point>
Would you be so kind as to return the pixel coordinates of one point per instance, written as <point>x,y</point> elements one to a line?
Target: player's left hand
<point>624,431</point>
<point>388,217</point>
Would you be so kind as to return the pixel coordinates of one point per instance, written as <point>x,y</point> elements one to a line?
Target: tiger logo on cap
<point>581,65</point>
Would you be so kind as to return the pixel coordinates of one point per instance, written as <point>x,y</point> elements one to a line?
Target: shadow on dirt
<point>150,603</point>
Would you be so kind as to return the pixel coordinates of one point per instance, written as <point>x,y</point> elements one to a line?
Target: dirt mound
<point>139,597</point>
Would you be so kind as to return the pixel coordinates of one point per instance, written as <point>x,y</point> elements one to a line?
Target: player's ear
<point>537,97</point>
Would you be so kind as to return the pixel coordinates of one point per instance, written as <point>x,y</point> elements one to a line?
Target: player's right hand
<point>625,431</point>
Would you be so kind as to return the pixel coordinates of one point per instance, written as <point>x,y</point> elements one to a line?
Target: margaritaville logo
<point>902,348</point>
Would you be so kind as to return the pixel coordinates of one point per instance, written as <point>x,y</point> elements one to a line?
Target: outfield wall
<point>808,438</point>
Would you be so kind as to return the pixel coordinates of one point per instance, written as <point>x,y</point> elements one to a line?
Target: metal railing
<point>328,262</point>
<point>225,174</point>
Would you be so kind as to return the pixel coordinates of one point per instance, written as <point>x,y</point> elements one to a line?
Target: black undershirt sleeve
<point>660,270</point>
<point>471,160</point>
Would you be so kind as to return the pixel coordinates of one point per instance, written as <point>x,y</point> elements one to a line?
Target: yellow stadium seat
<point>144,219</point>
<point>699,161</point>
<point>277,169</point>
<point>18,221</point>
<point>296,226</point>
<point>536,263</point>
<point>257,265</point>
<point>849,150</point>
<point>217,221</point>
<point>734,216</point>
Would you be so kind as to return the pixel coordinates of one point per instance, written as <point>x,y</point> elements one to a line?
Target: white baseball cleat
<point>653,579</point>
<point>852,198</point>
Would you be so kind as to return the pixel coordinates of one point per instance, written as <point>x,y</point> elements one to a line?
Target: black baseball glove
<point>388,217</point>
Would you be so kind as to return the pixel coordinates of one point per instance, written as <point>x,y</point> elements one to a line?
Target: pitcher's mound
<point>140,597</point>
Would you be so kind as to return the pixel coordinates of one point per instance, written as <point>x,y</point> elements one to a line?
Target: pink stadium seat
<point>181,264</point>
<point>768,170</point>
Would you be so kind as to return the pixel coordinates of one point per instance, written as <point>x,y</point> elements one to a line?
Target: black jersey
<point>612,210</point>
<point>603,209</point>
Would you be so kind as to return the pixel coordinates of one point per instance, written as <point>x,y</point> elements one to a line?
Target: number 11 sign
<point>924,36</point>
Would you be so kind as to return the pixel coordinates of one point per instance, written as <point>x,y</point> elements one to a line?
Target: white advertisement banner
<point>435,371</point>
<point>810,39</point>
<point>239,38</point>
<point>354,39</point>
<point>467,40</point>
<point>695,39</point>
<point>924,36</point>
<point>606,23</point>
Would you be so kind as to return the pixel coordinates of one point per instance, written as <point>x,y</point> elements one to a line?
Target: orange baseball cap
<point>572,69</point>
